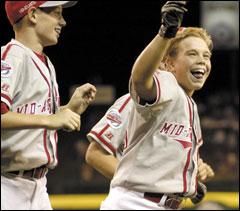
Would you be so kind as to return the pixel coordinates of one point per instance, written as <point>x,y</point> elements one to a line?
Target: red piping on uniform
<point>45,145</point>
<point>103,141</point>
<point>124,104</point>
<point>189,152</point>
<point>158,88</point>
<point>4,108</point>
<point>57,96</point>
<point>185,144</point>
<point>4,55</point>
<point>120,110</point>
<point>6,51</point>
<point>190,115</point>
<point>7,98</point>
<point>103,130</point>
<point>107,126</point>
<point>185,172</point>
<point>45,78</point>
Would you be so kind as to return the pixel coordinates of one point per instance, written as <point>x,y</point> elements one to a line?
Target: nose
<point>201,60</point>
<point>63,22</point>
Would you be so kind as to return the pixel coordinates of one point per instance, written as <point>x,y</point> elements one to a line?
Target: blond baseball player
<point>160,165</point>
<point>30,104</point>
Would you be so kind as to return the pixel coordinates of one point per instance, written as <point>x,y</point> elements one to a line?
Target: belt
<point>170,201</point>
<point>36,173</point>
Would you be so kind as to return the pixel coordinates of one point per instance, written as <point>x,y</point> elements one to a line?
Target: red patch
<point>5,69</point>
<point>109,135</point>
<point>185,144</point>
<point>114,118</point>
<point>5,87</point>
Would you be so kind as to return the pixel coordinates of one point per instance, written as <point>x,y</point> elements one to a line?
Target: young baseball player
<point>159,167</point>
<point>108,140</point>
<point>30,106</point>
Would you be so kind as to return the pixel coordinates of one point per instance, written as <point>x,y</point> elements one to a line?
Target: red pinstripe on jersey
<point>185,172</point>
<point>189,152</point>
<point>4,56</point>
<point>99,135</point>
<point>49,95</point>
<point>103,141</point>
<point>157,82</point>
<point>7,98</point>
<point>45,78</point>
<point>45,145</point>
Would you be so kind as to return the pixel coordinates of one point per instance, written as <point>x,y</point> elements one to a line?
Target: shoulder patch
<point>114,118</point>
<point>6,69</point>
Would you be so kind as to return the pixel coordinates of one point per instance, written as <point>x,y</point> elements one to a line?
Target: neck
<point>29,40</point>
<point>189,93</point>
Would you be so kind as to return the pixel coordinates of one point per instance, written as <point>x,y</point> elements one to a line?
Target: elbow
<point>92,154</point>
<point>137,82</point>
<point>88,156</point>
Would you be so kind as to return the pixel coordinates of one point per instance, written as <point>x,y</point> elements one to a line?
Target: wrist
<point>45,121</point>
<point>168,32</point>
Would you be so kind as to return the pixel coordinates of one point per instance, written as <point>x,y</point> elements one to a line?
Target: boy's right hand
<point>172,16</point>
<point>64,119</point>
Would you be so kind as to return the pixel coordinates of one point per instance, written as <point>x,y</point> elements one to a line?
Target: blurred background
<point>99,45</point>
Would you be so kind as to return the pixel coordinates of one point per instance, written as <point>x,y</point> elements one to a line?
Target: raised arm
<point>149,60</point>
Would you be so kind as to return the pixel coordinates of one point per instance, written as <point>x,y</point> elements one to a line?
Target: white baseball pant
<point>120,198</point>
<point>22,194</point>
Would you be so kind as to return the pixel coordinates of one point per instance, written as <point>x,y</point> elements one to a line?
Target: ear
<point>32,15</point>
<point>169,64</point>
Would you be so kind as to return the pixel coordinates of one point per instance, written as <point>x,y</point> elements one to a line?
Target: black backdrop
<point>99,45</point>
<point>103,38</point>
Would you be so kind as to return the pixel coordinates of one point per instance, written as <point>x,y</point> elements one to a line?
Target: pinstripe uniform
<point>32,89</point>
<point>161,157</point>
<point>28,86</point>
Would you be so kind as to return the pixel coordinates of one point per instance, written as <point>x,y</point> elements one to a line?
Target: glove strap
<point>168,32</point>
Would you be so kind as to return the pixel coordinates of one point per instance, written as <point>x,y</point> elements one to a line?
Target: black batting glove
<point>201,192</point>
<point>172,16</point>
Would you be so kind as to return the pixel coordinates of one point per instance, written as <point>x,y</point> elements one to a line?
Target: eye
<point>57,14</point>
<point>192,54</point>
<point>206,56</point>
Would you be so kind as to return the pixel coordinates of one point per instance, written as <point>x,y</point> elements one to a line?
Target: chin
<point>52,42</point>
<point>198,86</point>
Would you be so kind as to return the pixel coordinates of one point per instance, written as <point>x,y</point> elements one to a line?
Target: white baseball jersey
<point>110,131</point>
<point>164,138</point>
<point>28,86</point>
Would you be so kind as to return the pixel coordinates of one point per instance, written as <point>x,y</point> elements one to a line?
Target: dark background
<point>103,38</point>
<point>99,45</point>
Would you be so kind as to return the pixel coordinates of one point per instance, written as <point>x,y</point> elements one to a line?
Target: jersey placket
<point>54,109</point>
<point>192,166</point>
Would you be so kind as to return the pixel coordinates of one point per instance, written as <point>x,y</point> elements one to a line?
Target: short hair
<point>183,33</point>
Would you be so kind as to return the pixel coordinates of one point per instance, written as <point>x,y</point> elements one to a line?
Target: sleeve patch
<point>6,69</point>
<point>114,119</point>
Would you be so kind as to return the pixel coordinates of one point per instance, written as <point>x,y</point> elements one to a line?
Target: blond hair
<point>182,34</point>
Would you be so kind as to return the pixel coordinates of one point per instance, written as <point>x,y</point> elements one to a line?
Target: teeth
<point>58,31</point>
<point>198,71</point>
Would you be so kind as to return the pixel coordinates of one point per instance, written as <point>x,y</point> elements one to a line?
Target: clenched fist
<point>205,171</point>
<point>81,98</point>
<point>172,16</point>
